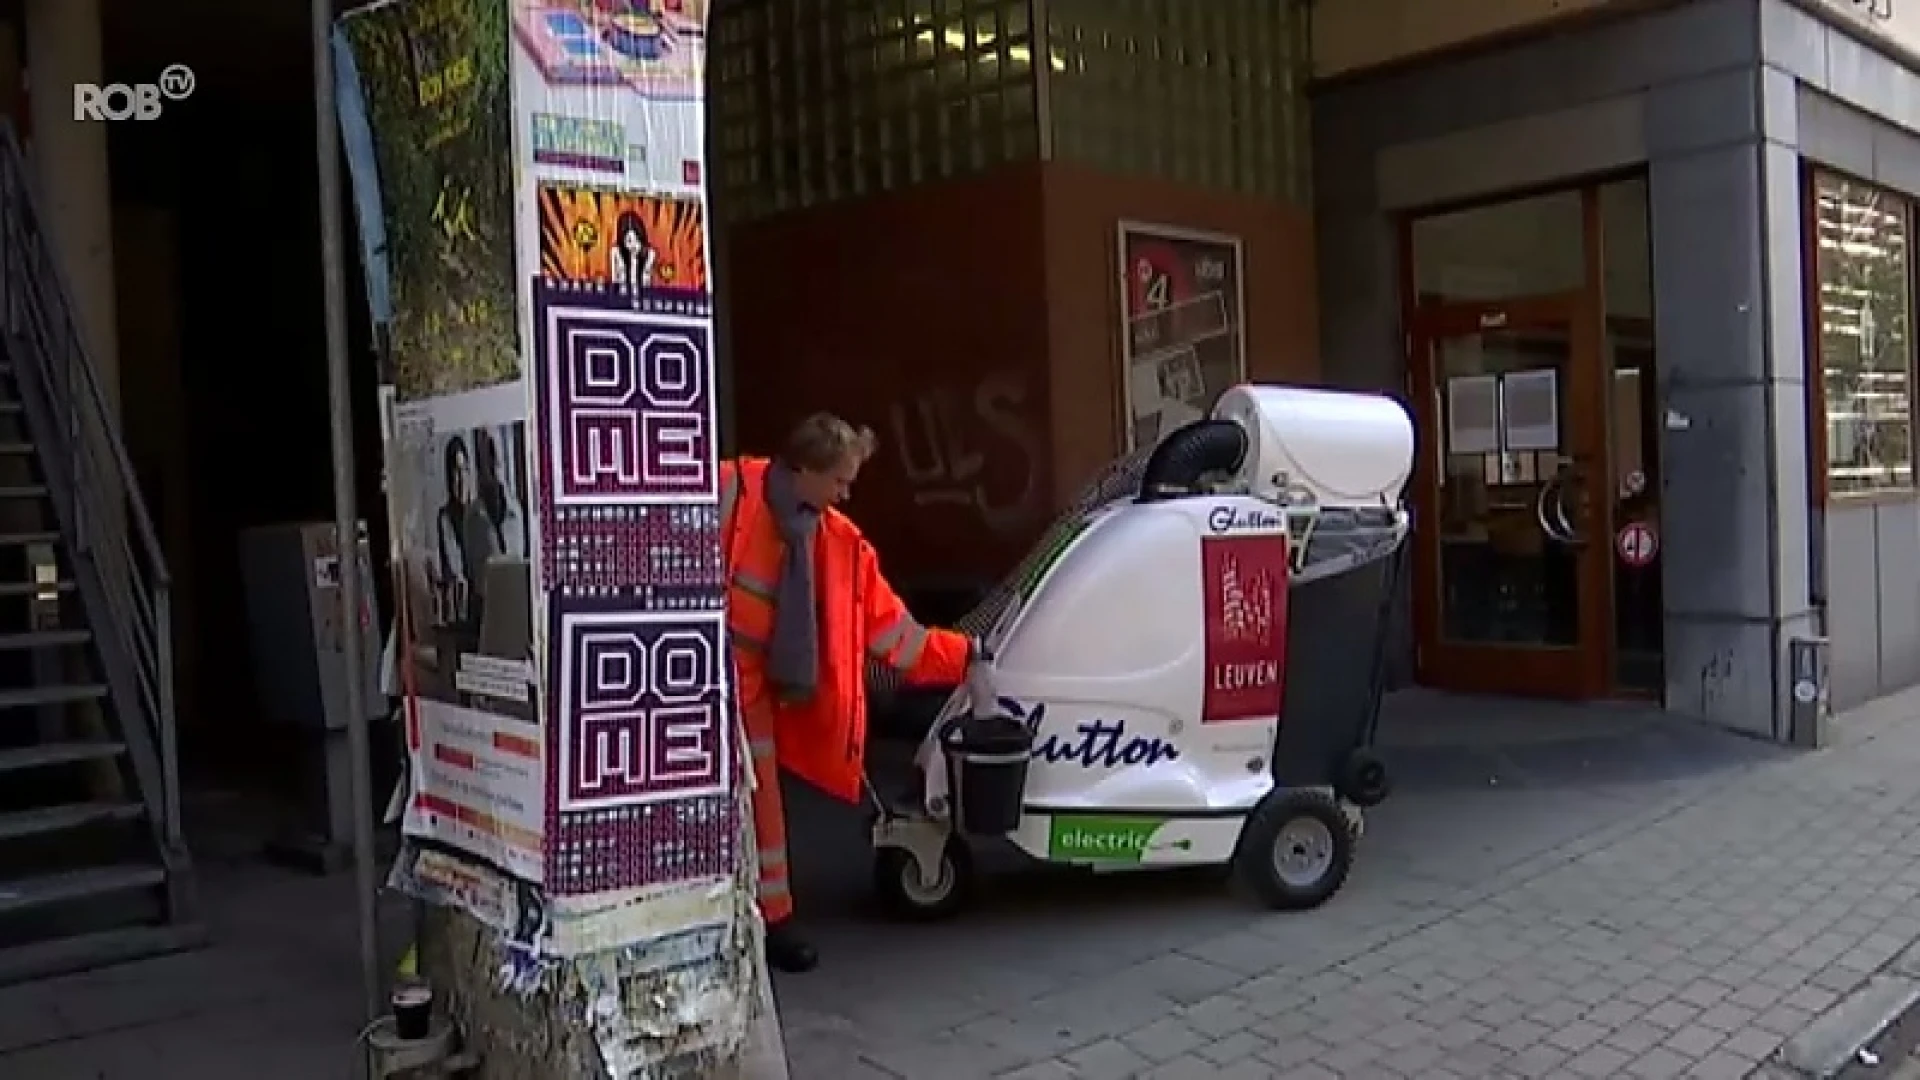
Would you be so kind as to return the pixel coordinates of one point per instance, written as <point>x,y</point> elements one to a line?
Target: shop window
<point>1862,317</point>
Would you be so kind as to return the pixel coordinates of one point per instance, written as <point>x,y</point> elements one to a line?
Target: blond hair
<point>821,442</point>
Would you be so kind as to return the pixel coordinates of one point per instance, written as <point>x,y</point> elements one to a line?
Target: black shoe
<point>788,952</point>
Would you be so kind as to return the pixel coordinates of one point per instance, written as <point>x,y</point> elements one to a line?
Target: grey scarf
<point>793,656</point>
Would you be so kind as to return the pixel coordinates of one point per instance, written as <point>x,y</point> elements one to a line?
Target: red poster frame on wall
<point>1175,261</point>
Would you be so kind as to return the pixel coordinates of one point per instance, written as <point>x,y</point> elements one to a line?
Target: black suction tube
<point>1175,467</point>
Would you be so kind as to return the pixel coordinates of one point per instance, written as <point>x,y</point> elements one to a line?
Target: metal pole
<point>346,513</point>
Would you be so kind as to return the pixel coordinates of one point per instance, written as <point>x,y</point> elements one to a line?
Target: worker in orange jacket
<point>806,607</point>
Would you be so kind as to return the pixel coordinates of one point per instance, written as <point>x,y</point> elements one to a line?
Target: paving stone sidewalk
<point>1552,892</point>
<point>1651,916</point>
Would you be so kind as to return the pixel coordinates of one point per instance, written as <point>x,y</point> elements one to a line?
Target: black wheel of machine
<point>1296,849</point>
<point>896,878</point>
<point>1364,780</point>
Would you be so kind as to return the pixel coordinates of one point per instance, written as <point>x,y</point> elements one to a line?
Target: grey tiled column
<point>1728,323</point>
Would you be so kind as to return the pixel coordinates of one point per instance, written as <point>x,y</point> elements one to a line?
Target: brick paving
<point>1651,914</point>
<point>1552,893</point>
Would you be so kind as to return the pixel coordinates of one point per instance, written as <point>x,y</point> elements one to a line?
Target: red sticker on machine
<point>1246,633</point>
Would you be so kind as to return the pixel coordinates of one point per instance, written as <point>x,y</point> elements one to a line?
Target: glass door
<point>1638,612</point>
<point>1639,609</point>
<point>1513,589</point>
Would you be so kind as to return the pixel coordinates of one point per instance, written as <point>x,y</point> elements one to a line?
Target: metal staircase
<point>93,868</point>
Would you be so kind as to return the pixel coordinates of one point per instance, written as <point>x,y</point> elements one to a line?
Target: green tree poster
<point>433,74</point>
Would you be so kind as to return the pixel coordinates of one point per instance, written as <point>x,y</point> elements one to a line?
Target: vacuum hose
<point>1182,458</point>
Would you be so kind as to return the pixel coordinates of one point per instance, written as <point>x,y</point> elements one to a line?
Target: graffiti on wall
<point>976,448</point>
<point>1717,679</point>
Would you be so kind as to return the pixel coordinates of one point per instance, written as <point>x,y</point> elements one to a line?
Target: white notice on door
<point>1473,414</point>
<point>1530,407</point>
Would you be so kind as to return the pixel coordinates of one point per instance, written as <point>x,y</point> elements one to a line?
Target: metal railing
<point>90,481</point>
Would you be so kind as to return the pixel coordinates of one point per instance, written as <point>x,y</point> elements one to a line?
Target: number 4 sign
<point>1637,544</point>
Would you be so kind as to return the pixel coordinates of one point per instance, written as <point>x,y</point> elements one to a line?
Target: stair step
<point>85,952</point>
<point>53,819</point>
<point>44,639</point>
<point>32,588</point>
<point>51,695</point>
<point>48,755</point>
<point>16,448</point>
<point>25,894</point>
<point>25,538</point>
<point>23,491</point>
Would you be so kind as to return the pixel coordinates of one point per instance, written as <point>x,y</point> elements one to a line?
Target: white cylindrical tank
<point>1345,449</point>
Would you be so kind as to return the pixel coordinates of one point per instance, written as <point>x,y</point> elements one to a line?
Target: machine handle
<point>983,700</point>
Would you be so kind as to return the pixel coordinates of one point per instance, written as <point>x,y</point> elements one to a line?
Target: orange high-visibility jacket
<point>822,740</point>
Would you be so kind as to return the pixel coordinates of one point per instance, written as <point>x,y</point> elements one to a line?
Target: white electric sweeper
<point>1141,702</point>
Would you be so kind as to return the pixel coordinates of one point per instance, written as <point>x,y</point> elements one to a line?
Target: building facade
<point>1641,270</point>
<point>919,205</point>
<point>1685,228</point>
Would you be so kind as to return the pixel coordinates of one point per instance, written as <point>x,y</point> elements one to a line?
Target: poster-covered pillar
<point>70,159</point>
<point>530,182</point>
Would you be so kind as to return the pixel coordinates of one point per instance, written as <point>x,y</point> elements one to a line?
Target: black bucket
<point>987,771</point>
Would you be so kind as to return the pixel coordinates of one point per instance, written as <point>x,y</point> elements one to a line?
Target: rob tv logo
<point>132,101</point>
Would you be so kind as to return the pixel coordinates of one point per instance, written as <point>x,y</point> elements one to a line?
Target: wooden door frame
<point>1581,671</point>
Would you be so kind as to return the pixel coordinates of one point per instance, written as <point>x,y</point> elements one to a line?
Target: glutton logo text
<point>132,101</point>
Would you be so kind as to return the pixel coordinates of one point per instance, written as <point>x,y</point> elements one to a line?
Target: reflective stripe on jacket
<point>821,740</point>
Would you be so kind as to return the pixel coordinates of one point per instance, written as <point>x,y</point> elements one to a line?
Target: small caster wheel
<point>1363,779</point>
<point>1296,849</point>
<point>897,881</point>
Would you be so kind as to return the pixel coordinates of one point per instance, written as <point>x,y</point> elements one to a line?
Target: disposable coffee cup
<point>412,1010</point>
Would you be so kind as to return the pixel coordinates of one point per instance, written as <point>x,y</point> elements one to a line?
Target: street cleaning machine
<point>1185,675</point>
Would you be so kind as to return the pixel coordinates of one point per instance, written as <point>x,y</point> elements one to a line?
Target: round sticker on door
<point>1637,544</point>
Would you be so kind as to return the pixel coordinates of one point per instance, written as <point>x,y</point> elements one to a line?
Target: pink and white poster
<point>530,178</point>
<point>613,252</point>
